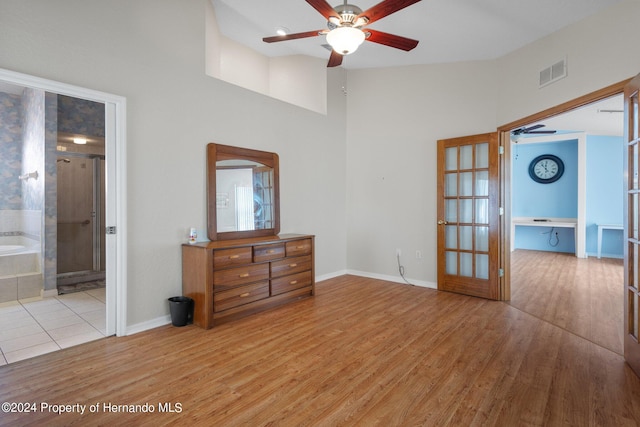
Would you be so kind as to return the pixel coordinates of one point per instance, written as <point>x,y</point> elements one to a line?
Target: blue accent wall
<point>605,193</point>
<point>604,196</point>
<point>556,200</point>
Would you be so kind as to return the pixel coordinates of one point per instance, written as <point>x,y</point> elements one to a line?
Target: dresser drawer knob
<point>244,295</point>
<point>271,251</point>
<point>293,265</point>
<point>299,247</point>
<point>244,275</point>
<point>234,257</point>
<point>293,282</point>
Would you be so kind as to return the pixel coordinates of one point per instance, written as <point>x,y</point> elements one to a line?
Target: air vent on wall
<point>553,73</point>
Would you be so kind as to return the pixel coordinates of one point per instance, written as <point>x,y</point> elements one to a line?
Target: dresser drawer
<point>240,295</point>
<point>291,282</point>
<point>293,265</point>
<point>299,247</point>
<point>229,257</point>
<point>232,277</point>
<point>268,252</point>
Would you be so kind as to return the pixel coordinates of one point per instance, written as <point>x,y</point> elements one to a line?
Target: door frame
<point>505,168</point>
<point>116,195</point>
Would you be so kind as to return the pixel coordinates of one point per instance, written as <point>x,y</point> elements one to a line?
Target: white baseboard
<point>149,324</point>
<point>388,278</point>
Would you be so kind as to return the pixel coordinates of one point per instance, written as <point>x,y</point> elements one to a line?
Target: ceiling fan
<point>346,31</point>
<point>531,129</point>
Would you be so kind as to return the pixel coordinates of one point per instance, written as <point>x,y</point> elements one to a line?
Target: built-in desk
<point>543,222</point>
<point>605,227</point>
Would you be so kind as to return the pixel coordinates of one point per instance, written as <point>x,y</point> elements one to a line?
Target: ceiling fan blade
<point>292,36</point>
<point>324,8</point>
<point>534,127</point>
<point>335,59</point>
<point>542,131</point>
<point>391,40</point>
<point>385,8</point>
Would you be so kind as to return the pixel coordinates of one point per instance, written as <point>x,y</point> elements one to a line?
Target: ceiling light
<point>345,40</point>
<point>282,31</point>
<point>80,141</point>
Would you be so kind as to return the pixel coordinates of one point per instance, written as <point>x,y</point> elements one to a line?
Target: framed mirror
<point>243,193</point>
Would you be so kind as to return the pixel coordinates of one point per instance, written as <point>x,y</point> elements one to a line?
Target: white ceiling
<point>448,30</point>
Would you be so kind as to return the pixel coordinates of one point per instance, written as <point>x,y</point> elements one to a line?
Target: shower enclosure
<point>81,214</point>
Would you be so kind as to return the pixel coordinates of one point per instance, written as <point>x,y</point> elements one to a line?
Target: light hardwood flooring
<point>361,352</point>
<point>582,295</point>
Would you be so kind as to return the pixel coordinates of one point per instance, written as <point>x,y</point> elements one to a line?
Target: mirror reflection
<point>242,193</point>
<point>244,196</point>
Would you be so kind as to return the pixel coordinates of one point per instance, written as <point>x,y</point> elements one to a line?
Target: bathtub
<point>10,245</point>
<point>20,271</point>
<point>12,249</point>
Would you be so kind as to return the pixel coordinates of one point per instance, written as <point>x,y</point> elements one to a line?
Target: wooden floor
<point>582,295</point>
<point>361,352</point>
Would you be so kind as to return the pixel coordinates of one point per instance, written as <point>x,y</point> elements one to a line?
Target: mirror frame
<point>218,152</point>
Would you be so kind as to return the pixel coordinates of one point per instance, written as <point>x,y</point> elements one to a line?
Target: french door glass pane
<point>634,214</point>
<point>451,262</point>
<point>451,159</point>
<point>466,210</point>
<point>482,211</point>
<point>633,254</point>
<point>466,157</point>
<point>466,238</point>
<point>451,210</point>
<point>482,239</point>
<point>466,183</point>
<point>451,184</point>
<point>634,101</point>
<point>634,156</point>
<point>466,264</point>
<point>482,155</point>
<point>451,236</point>
<point>482,183</point>
<point>482,266</point>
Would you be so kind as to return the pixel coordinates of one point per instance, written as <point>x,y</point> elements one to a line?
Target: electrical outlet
<point>398,252</point>
<point>418,254</point>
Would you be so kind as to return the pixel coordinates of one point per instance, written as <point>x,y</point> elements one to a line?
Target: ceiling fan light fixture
<point>345,40</point>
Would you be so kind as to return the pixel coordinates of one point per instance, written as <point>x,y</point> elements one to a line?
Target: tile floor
<point>36,326</point>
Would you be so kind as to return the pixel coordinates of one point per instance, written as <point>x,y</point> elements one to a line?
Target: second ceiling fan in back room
<point>346,30</point>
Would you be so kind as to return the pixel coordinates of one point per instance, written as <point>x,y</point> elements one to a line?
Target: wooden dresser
<point>229,279</point>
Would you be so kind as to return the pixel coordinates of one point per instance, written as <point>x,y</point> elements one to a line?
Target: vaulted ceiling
<point>448,30</point>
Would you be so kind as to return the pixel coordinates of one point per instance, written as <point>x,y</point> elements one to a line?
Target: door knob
<point>442,222</point>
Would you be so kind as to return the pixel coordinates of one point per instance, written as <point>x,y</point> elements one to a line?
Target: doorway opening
<point>113,258</point>
<point>569,284</point>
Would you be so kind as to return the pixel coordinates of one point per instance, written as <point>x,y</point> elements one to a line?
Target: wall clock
<point>546,169</point>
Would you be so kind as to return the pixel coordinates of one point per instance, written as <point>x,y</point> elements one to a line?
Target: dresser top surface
<point>266,240</point>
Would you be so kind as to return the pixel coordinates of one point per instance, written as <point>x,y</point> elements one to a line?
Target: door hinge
<point>501,272</point>
<point>501,149</point>
<point>110,230</point>
<point>500,211</point>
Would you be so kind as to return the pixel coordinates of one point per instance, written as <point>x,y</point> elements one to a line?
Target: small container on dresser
<point>229,279</point>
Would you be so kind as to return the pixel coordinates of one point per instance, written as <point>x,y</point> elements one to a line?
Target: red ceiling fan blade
<point>324,8</point>
<point>335,59</point>
<point>385,8</point>
<point>391,40</point>
<point>293,36</point>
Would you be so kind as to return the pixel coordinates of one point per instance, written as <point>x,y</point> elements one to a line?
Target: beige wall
<point>364,189</point>
<point>396,115</point>
<point>152,53</point>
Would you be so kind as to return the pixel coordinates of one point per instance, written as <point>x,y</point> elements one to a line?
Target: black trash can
<point>181,309</point>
